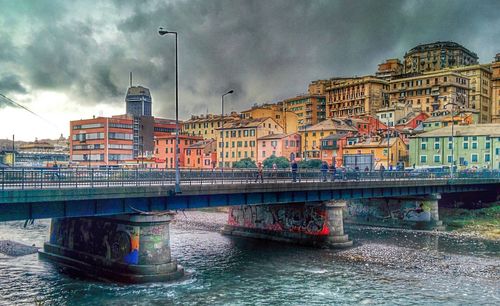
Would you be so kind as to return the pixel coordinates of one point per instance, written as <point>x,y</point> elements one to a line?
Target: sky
<point>70,60</point>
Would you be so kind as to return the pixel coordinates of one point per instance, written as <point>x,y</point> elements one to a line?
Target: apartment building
<point>430,91</point>
<point>205,125</point>
<point>287,119</point>
<point>280,145</point>
<point>240,138</point>
<point>165,149</point>
<point>309,108</point>
<point>437,56</point>
<point>356,96</point>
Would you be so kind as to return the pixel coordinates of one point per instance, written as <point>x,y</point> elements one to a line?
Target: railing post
<point>22,178</point>
<point>92,177</point>
<point>123,177</point>
<point>76,178</point>
<point>59,177</point>
<point>3,179</point>
<point>107,176</point>
<point>136,176</point>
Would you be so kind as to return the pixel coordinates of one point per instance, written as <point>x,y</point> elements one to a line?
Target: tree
<point>245,163</point>
<point>281,162</point>
<point>310,164</point>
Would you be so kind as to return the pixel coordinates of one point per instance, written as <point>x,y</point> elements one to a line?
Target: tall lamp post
<point>222,124</point>
<point>162,32</point>
<point>454,103</point>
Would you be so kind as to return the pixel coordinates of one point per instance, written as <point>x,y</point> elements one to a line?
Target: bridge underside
<point>62,203</point>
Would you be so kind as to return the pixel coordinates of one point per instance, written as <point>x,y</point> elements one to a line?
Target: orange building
<point>201,154</point>
<point>110,140</point>
<point>164,148</point>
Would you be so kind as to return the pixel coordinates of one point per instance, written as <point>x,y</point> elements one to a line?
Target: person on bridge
<point>294,168</point>
<point>382,170</point>
<point>259,173</point>
<point>324,170</point>
<point>333,171</point>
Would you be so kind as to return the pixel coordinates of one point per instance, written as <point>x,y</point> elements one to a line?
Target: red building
<point>164,148</point>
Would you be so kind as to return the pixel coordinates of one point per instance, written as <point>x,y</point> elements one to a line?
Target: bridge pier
<point>131,248</point>
<point>416,212</point>
<point>311,223</point>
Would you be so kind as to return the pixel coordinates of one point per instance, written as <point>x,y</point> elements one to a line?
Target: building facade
<point>311,136</point>
<point>310,109</point>
<point>165,149</point>
<point>287,119</point>
<point>206,126</point>
<point>138,101</point>
<point>436,56</point>
<point>356,96</point>
<point>495,90</point>
<point>475,146</point>
<point>429,92</point>
<point>480,90</point>
<point>279,145</point>
<point>201,155</point>
<point>389,151</point>
<point>389,69</point>
<point>110,140</point>
<point>240,138</point>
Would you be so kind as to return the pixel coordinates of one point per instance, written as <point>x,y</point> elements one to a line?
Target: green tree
<point>310,164</point>
<point>245,163</point>
<point>281,162</point>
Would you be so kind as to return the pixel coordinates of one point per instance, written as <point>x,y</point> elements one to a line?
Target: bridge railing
<point>26,178</point>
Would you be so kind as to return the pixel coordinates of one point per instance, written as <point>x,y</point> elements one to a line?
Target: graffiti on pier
<point>387,209</point>
<point>310,220</point>
<point>111,240</point>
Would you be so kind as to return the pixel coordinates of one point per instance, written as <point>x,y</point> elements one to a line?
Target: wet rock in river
<point>12,248</point>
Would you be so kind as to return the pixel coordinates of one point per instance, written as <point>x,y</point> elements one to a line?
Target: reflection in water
<point>226,270</point>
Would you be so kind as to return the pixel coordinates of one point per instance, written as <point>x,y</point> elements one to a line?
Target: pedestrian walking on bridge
<point>259,173</point>
<point>294,168</point>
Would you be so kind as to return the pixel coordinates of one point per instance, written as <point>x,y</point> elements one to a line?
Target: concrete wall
<point>298,218</point>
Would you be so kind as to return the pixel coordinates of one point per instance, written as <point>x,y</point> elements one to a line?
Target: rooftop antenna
<point>130,78</point>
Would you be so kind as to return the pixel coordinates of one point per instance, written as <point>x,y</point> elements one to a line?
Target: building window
<point>423,146</point>
<point>487,145</point>
<point>474,158</point>
<point>466,145</point>
<point>437,158</point>
<point>486,157</point>
<point>423,159</point>
<point>474,145</point>
<point>449,159</point>
<point>436,146</point>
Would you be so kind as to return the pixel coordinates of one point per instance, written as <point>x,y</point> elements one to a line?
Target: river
<point>383,268</point>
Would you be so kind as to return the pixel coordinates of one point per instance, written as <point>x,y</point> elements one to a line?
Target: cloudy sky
<point>68,60</point>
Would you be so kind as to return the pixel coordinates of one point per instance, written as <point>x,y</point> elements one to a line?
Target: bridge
<point>115,222</point>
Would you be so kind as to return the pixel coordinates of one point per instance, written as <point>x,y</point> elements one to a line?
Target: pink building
<point>280,145</point>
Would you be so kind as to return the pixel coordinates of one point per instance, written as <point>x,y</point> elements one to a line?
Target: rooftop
<point>490,129</point>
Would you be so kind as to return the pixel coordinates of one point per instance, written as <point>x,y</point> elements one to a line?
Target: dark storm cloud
<point>11,83</point>
<point>264,50</point>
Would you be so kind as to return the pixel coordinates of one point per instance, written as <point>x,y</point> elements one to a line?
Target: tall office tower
<point>138,101</point>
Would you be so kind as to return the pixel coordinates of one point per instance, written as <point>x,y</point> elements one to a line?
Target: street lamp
<point>162,32</point>
<point>454,103</point>
<point>222,124</point>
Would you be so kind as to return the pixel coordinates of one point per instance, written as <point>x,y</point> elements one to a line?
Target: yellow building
<point>495,90</point>
<point>479,89</point>
<point>311,136</point>
<point>288,120</point>
<point>309,108</point>
<point>205,125</point>
<point>397,149</point>
<point>355,96</point>
<point>240,138</point>
<point>429,92</point>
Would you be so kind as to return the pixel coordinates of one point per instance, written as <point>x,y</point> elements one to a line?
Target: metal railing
<point>27,178</point>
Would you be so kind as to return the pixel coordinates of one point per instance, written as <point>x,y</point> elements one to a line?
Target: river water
<point>384,268</point>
